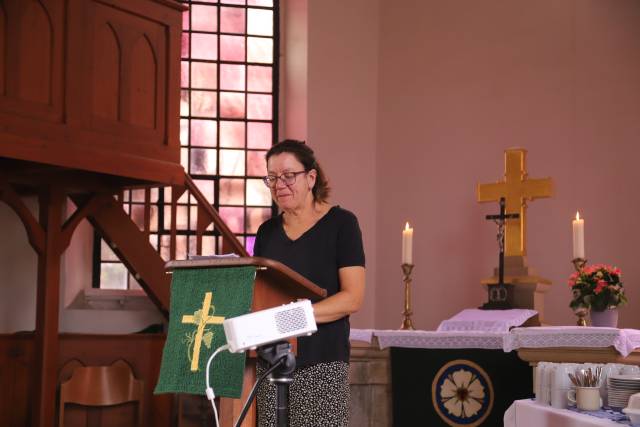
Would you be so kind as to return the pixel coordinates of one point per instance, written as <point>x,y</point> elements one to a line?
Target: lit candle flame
<point>406,227</point>
<point>577,216</point>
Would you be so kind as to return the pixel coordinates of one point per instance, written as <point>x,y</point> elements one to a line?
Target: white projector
<point>252,330</point>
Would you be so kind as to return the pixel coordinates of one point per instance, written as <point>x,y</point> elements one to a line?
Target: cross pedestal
<point>516,188</point>
<point>528,287</point>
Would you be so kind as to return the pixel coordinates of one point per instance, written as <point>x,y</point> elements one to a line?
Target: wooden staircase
<point>50,234</point>
<point>131,243</point>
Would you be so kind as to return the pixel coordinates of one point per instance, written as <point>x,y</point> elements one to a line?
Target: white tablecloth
<point>623,340</point>
<point>365,335</point>
<point>442,340</point>
<point>527,413</point>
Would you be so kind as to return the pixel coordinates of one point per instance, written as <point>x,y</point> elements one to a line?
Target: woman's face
<point>295,195</point>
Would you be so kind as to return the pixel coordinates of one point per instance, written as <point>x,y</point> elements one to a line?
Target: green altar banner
<point>201,298</point>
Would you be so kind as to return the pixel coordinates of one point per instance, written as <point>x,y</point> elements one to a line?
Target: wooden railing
<point>129,240</point>
<point>207,215</point>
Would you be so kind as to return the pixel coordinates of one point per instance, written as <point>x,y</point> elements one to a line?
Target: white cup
<point>585,398</point>
<point>539,381</point>
<point>560,384</point>
<point>544,373</point>
<point>559,398</point>
<point>560,378</point>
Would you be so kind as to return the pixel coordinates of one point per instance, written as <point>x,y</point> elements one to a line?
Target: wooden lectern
<point>275,284</point>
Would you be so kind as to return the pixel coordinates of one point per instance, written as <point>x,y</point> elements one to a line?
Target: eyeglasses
<point>288,178</point>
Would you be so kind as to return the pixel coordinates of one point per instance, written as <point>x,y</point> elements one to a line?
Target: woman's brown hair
<point>304,154</point>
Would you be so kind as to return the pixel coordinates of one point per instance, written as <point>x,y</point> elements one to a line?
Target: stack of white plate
<point>620,388</point>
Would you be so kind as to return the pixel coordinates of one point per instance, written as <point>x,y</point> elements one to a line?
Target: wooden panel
<point>143,89</point>
<point>34,34</point>
<point>142,59</point>
<point>3,40</point>
<point>143,352</point>
<point>370,384</point>
<point>16,357</point>
<point>121,87</point>
<point>106,77</point>
<point>577,355</point>
<point>34,51</point>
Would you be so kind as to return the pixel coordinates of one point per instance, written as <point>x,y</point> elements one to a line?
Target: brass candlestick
<point>579,263</point>
<point>407,324</point>
<point>581,312</point>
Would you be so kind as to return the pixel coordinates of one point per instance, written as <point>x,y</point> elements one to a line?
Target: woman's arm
<point>347,301</point>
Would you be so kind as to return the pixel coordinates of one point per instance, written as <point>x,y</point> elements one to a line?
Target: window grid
<point>225,157</point>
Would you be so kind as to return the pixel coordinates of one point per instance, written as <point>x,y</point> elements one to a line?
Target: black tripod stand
<point>282,362</point>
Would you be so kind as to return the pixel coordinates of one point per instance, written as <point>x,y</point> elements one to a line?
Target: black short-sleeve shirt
<point>335,241</point>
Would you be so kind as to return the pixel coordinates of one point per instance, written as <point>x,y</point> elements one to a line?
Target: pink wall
<point>459,82</point>
<point>340,94</point>
<point>293,69</point>
<point>411,103</point>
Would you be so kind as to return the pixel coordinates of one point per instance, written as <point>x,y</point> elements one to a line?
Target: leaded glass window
<point>228,118</point>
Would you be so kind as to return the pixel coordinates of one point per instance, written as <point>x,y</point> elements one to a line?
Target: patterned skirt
<point>318,396</point>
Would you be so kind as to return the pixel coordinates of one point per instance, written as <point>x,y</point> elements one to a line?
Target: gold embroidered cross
<point>201,321</point>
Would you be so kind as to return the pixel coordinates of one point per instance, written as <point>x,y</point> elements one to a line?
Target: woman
<point>324,244</point>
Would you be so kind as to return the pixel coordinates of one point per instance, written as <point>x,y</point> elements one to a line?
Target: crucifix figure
<point>201,319</point>
<point>498,292</point>
<point>516,189</point>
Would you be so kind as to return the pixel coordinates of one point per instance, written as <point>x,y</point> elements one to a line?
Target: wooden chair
<point>102,386</point>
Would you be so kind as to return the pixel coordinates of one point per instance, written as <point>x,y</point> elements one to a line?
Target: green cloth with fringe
<point>201,298</point>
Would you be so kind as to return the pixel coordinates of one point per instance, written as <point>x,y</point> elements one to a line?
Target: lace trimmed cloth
<point>623,340</point>
<point>474,319</point>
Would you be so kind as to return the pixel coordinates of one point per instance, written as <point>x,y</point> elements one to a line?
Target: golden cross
<point>516,189</point>
<point>205,320</point>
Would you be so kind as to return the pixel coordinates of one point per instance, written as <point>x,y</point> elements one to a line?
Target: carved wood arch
<point>35,52</point>
<point>35,233</point>
<point>107,70</point>
<point>143,83</point>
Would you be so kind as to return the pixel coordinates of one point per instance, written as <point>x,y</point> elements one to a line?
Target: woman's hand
<point>347,301</point>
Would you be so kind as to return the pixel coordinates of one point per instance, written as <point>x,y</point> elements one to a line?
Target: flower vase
<point>607,318</point>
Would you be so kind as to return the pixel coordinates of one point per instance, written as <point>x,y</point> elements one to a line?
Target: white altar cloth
<point>365,335</point>
<point>474,319</point>
<point>527,413</point>
<point>623,340</point>
<point>442,340</point>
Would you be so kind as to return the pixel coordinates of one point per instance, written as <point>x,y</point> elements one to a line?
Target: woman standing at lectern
<point>324,244</point>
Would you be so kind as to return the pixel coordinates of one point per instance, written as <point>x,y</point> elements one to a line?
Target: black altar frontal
<point>456,387</point>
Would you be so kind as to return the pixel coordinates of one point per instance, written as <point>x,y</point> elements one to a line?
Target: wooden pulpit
<point>275,284</point>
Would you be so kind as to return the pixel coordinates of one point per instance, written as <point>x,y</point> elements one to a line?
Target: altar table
<point>423,361</point>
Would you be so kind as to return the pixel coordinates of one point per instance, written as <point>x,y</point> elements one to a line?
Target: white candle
<point>407,244</point>
<point>578,237</point>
